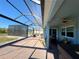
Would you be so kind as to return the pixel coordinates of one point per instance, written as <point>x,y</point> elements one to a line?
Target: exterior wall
<point>77,30</point>
<point>62,9</point>
<point>46,36</point>
<point>59,33</point>
<point>73,22</point>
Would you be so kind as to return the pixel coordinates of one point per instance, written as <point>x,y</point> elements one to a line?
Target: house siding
<point>75,23</point>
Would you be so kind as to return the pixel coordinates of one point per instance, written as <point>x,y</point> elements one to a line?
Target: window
<point>63,31</point>
<point>70,31</point>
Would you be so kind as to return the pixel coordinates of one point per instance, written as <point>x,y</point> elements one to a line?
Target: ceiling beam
<point>6,17</point>
<point>31,13</point>
<point>18,10</point>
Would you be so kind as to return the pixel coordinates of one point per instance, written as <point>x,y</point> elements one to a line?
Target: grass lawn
<point>4,39</point>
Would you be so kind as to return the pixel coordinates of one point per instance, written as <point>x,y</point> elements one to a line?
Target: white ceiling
<point>69,8</point>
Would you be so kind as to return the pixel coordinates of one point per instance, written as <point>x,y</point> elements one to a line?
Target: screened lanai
<point>26,13</point>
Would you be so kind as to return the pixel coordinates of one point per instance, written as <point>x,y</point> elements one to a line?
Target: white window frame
<point>66,31</point>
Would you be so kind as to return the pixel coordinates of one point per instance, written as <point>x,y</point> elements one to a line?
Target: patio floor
<point>30,48</point>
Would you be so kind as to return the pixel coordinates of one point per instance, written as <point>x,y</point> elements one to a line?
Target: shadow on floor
<point>33,58</point>
<point>54,50</point>
<point>28,47</point>
<point>30,57</point>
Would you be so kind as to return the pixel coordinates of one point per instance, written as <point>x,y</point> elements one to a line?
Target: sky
<point>37,1</point>
<point>7,10</point>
